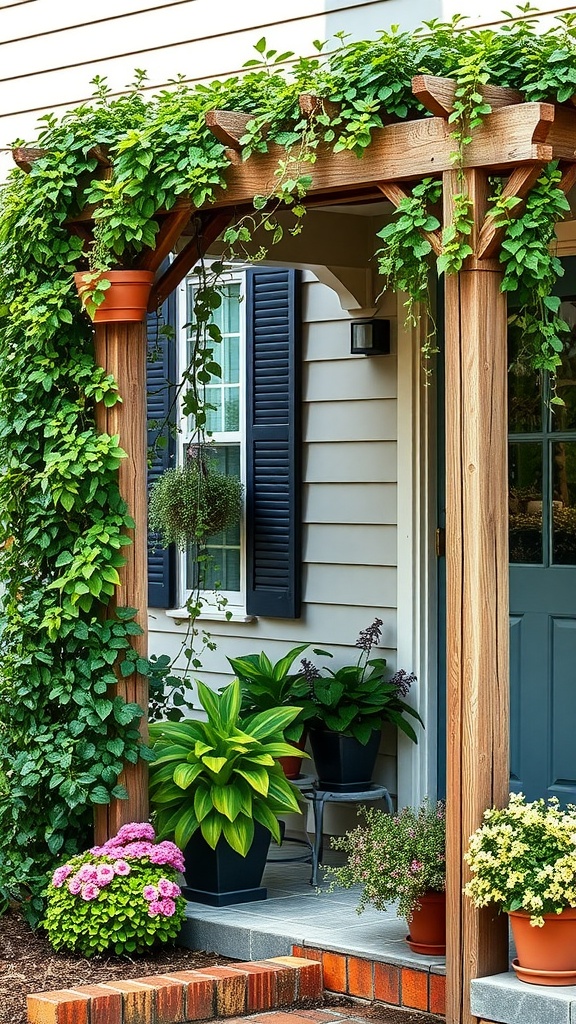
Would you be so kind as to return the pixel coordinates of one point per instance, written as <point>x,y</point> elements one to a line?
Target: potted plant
<point>401,859</point>
<point>192,502</point>
<point>216,787</point>
<point>111,290</point>
<point>349,706</point>
<point>265,686</point>
<point>523,860</point>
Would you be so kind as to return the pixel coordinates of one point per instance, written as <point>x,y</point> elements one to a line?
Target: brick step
<point>184,996</point>
<point>398,983</point>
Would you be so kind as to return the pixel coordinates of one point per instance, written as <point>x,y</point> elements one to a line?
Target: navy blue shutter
<point>161,369</point>
<point>273,321</point>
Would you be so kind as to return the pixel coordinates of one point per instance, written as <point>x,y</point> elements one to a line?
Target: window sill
<point>209,615</point>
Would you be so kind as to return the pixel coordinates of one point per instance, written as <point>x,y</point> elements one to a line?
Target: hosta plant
<point>121,897</point>
<point>222,775</point>
<point>266,685</point>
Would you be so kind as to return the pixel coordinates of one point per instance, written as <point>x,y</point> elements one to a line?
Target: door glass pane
<point>524,393</point>
<point>525,461</point>
<point>564,416</point>
<point>564,503</point>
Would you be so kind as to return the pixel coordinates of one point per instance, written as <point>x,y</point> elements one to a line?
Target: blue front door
<point>542,516</point>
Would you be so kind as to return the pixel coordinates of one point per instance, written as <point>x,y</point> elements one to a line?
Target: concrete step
<point>503,999</point>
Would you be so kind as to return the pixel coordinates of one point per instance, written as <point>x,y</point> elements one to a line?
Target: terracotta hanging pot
<point>547,955</point>
<point>428,925</point>
<point>125,301</point>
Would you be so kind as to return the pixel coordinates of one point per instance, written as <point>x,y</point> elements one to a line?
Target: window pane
<point>564,417</point>
<point>222,569</point>
<point>564,503</point>
<point>231,360</point>
<point>525,502</point>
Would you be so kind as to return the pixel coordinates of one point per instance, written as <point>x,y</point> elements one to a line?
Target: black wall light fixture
<point>370,337</point>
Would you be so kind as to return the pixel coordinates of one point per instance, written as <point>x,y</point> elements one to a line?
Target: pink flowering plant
<point>395,858</point>
<point>120,897</point>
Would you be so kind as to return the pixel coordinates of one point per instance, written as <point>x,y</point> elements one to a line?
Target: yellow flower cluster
<point>523,857</point>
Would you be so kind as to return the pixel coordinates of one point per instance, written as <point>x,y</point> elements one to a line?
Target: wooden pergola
<point>515,141</point>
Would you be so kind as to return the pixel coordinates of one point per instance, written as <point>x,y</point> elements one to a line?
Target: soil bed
<point>29,964</point>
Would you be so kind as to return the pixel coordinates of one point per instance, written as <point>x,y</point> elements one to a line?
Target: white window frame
<point>235,600</point>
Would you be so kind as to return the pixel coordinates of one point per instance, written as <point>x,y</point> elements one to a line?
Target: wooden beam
<point>519,184</point>
<point>562,135</point>
<point>477,595</point>
<point>211,227</point>
<point>121,349</point>
<point>396,194</point>
<point>168,235</point>
<point>228,126</point>
<point>437,94</point>
<point>404,152</point>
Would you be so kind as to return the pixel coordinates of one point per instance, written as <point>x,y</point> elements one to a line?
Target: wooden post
<point>121,348</point>
<point>477,593</point>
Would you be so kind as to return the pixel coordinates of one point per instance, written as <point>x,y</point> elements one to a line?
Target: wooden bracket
<point>396,194</point>
<point>210,226</point>
<point>519,184</point>
<point>437,94</point>
<point>168,235</point>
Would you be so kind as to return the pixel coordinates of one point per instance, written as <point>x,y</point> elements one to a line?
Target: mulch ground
<point>29,964</point>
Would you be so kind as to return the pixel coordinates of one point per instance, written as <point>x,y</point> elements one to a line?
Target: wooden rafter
<point>438,94</point>
<point>211,226</point>
<point>396,194</point>
<point>228,126</point>
<point>25,157</point>
<point>168,235</point>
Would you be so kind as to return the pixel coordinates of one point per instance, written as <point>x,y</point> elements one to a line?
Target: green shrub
<point>121,897</point>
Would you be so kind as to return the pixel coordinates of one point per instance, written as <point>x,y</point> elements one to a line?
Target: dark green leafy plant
<point>222,775</point>
<point>265,686</point>
<point>356,699</point>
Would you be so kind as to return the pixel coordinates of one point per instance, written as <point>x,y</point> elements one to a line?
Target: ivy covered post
<point>121,348</point>
<point>477,588</point>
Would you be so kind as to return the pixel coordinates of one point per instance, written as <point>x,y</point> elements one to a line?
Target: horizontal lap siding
<point>49,52</point>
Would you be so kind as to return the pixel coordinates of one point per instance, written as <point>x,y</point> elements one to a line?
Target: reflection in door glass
<point>564,416</point>
<point>525,461</point>
<point>564,503</point>
<point>524,392</point>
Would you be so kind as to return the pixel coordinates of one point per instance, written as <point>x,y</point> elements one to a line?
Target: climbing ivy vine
<point>64,736</point>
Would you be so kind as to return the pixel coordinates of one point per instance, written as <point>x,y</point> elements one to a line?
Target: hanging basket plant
<point>192,502</point>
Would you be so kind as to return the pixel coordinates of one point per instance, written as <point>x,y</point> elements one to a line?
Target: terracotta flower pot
<point>291,766</point>
<point>126,300</point>
<point>547,955</point>
<point>428,925</point>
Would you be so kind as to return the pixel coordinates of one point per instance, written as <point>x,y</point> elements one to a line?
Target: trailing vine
<point>63,737</point>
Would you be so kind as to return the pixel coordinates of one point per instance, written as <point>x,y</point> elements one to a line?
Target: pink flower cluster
<point>132,842</point>
<point>89,879</point>
<point>161,897</point>
<point>136,841</point>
